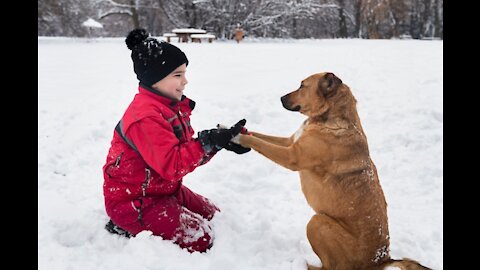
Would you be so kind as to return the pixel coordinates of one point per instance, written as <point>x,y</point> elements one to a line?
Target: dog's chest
<point>299,132</point>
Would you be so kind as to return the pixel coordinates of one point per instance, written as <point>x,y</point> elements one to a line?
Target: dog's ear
<point>329,84</point>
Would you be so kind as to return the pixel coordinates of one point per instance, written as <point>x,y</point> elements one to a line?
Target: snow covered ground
<point>85,85</point>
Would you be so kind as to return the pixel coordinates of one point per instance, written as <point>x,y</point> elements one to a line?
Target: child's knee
<point>209,209</point>
<point>194,233</point>
<point>202,244</point>
<point>196,203</point>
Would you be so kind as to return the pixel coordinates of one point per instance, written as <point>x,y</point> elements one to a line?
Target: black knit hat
<point>153,60</point>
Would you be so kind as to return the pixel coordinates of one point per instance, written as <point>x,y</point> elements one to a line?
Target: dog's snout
<point>287,104</point>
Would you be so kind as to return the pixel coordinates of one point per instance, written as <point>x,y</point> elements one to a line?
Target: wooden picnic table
<point>169,36</point>
<point>198,37</point>
<point>184,33</point>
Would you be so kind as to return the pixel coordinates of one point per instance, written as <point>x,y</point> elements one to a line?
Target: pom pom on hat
<point>136,37</point>
<point>153,60</point>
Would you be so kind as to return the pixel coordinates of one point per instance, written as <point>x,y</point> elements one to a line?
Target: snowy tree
<point>221,16</point>
<point>63,18</point>
<point>259,18</point>
<point>125,15</point>
<point>128,8</point>
<point>425,18</point>
<point>392,18</point>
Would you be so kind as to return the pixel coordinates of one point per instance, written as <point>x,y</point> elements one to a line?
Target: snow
<point>188,31</point>
<point>92,23</point>
<point>84,87</point>
<point>202,36</point>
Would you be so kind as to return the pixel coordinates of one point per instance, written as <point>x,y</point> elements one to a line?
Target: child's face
<point>173,85</point>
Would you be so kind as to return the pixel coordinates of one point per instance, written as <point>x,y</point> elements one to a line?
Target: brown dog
<point>330,151</point>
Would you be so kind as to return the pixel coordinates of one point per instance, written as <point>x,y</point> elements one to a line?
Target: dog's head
<point>311,97</point>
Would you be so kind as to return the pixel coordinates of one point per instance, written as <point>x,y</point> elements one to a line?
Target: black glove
<point>235,147</point>
<point>216,139</point>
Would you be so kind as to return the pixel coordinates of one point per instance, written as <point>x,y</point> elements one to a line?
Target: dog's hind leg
<point>332,243</point>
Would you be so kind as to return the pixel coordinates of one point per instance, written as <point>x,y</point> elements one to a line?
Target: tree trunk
<point>342,30</point>
<point>133,9</point>
<point>438,27</point>
<point>357,12</point>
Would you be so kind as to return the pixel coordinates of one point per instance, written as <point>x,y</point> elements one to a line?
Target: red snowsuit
<point>152,149</point>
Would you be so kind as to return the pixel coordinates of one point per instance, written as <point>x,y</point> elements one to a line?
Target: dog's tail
<point>405,264</point>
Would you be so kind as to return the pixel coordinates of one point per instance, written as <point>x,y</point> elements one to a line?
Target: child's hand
<point>237,148</point>
<point>218,138</point>
<point>243,131</point>
<point>233,145</point>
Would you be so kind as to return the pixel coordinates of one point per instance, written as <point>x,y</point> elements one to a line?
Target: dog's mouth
<point>286,105</point>
<point>294,109</point>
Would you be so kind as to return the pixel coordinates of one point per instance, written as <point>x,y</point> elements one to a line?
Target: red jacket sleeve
<point>162,151</point>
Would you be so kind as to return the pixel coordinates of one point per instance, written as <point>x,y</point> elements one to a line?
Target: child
<point>152,149</point>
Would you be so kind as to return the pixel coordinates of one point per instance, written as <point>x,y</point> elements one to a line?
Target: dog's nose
<point>285,102</point>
